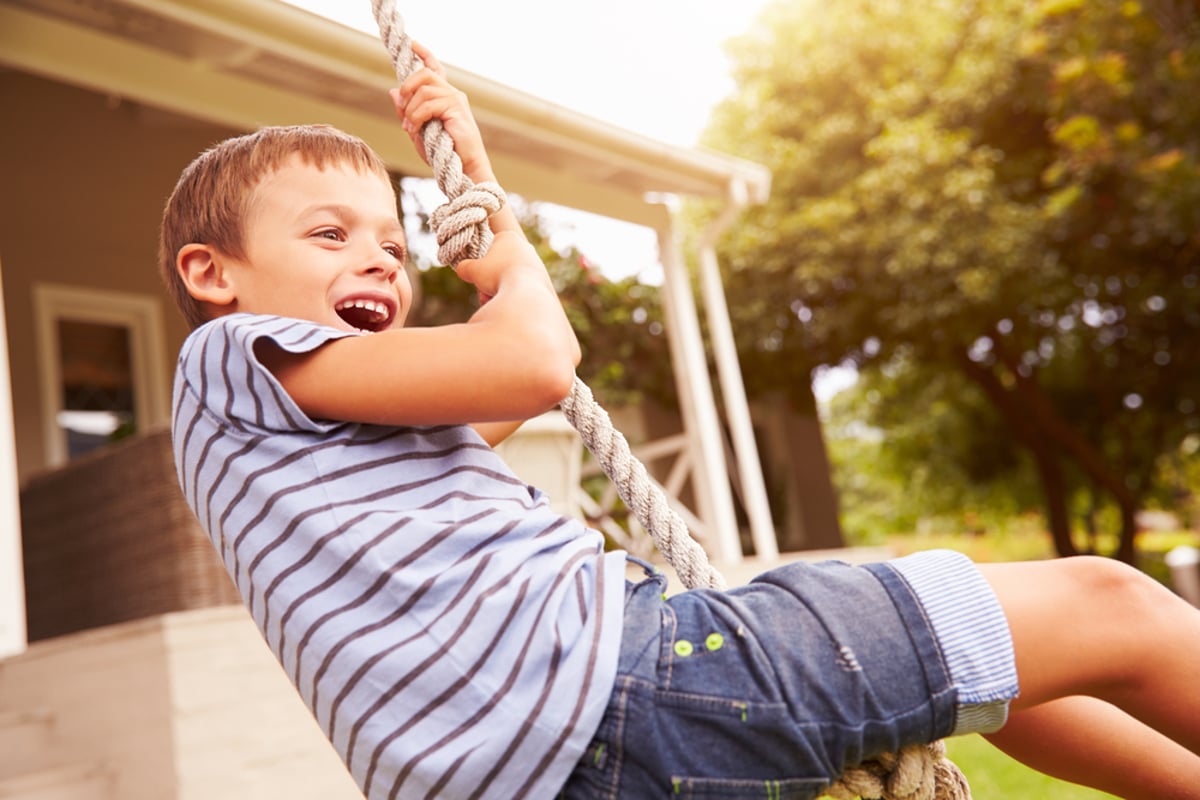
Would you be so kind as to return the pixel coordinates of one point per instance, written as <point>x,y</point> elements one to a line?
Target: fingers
<point>422,97</point>
<point>509,252</point>
<point>432,74</point>
<point>430,100</point>
<point>428,58</point>
<point>426,95</point>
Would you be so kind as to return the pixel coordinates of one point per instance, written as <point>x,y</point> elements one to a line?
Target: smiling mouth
<point>371,316</point>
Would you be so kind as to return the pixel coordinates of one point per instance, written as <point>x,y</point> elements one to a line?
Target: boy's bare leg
<point>1094,626</point>
<point>1088,741</point>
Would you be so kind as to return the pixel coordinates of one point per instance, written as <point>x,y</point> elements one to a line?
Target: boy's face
<point>326,246</point>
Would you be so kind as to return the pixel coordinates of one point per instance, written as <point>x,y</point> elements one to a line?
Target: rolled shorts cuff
<point>972,633</point>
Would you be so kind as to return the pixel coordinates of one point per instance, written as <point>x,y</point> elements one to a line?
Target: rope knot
<point>462,223</point>
<point>918,772</point>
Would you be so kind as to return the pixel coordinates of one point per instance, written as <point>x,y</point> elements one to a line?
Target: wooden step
<point>70,782</point>
<point>26,742</point>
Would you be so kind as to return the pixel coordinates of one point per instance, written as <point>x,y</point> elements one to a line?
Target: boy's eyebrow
<point>345,213</point>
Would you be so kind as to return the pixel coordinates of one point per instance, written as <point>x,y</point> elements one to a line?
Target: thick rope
<point>462,223</point>
<point>921,772</point>
<point>639,491</point>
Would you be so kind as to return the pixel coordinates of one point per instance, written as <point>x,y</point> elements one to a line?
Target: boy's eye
<point>395,251</point>
<point>332,234</point>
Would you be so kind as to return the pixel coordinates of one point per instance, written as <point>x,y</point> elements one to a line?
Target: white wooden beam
<point>12,573</point>
<point>733,389</point>
<point>714,496</point>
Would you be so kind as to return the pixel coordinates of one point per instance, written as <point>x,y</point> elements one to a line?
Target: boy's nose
<point>386,271</point>
<point>382,265</point>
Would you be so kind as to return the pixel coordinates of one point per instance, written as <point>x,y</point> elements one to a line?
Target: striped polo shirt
<point>451,634</point>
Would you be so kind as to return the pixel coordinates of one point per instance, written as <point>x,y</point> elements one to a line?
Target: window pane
<point>97,384</point>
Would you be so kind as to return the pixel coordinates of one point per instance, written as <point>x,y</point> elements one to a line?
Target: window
<point>100,355</point>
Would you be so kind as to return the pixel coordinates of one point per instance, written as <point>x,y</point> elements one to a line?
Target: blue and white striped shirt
<point>452,635</point>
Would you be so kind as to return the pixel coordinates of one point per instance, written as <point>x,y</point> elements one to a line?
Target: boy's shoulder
<point>220,367</point>
<point>238,334</point>
<point>242,324</point>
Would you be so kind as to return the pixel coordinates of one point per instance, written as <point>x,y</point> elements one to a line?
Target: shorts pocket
<point>720,744</point>
<point>740,789</point>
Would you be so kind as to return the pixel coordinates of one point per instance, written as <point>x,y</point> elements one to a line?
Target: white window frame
<point>140,314</point>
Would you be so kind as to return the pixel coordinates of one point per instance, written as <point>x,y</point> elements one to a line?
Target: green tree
<point>947,457</point>
<point>619,323</point>
<point>999,188</point>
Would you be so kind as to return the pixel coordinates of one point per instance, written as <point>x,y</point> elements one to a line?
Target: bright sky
<point>653,66</point>
<point>656,67</point>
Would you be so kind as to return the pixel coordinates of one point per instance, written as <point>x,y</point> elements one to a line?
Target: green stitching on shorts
<point>743,708</point>
<point>599,755</point>
<point>678,784</point>
<point>714,642</point>
<point>684,648</point>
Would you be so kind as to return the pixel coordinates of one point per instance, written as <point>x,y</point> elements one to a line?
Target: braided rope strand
<point>920,772</point>
<point>463,232</point>
<point>462,223</point>
<point>639,491</point>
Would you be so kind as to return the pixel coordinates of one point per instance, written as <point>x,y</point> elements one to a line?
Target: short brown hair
<point>214,192</point>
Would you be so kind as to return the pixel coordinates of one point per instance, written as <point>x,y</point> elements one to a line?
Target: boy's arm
<point>496,432</point>
<point>514,359</point>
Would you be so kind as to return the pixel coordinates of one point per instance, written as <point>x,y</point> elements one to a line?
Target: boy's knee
<point>1113,585</point>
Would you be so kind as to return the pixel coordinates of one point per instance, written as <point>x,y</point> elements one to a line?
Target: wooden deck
<point>183,706</point>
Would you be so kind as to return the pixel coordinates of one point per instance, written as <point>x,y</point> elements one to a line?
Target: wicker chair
<point>109,538</point>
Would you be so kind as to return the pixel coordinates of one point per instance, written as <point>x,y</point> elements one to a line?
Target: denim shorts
<point>773,689</point>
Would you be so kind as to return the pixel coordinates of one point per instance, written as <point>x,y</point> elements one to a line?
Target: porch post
<point>714,497</point>
<point>733,388</point>
<point>12,573</point>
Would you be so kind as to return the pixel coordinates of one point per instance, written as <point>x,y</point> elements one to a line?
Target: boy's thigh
<point>770,690</point>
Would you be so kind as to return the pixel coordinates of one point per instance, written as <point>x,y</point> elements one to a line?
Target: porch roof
<point>257,62</point>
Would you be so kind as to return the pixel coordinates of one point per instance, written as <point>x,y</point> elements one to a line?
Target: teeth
<point>378,309</point>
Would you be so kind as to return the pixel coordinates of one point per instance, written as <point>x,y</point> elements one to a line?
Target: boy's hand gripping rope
<point>920,772</point>
<point>461,224</point>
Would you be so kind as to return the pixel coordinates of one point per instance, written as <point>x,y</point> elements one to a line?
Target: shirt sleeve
<point>218,365</point>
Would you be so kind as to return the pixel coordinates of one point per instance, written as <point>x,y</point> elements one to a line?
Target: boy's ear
<point>203,273</point>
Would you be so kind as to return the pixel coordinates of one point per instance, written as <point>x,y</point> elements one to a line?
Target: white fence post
<point>1184,562</point>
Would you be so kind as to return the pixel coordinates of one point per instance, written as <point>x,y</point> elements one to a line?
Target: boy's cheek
<point>402,312</point>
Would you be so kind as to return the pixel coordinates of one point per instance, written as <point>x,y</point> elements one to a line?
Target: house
<point>104,102</point>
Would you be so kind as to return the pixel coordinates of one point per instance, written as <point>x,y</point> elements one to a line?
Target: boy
<point>455,638</point>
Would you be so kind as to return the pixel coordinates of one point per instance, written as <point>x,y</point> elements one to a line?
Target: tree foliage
<point>1005,189</point>
<point>619,323</point>
<point>914,446</point>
